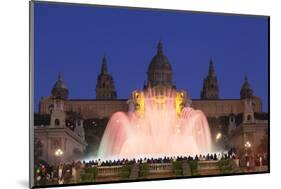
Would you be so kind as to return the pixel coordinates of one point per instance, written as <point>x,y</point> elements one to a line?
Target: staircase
<point>134,171</point>
<point>208,168</point>
<point>186,171</point>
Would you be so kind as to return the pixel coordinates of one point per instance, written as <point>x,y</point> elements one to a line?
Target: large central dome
<point>160,70</point>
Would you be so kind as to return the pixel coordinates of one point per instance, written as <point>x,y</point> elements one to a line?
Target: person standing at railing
<point>60,174</point>
<point>73,172</point>
<point>248,165</point>
<point>215,157</point>
<point>260,160</point>
<point>99,162</point>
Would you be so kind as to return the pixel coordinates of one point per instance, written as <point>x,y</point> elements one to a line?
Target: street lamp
<point>248,145</point>
<point>58,152</point>
<point>218,136</point>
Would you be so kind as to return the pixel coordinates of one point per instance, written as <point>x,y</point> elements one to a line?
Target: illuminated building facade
<point>239,120</point>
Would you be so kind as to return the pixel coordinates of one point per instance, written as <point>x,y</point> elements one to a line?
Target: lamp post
<point>58,154</point>
<point>218,139</point>
<point>218,136</point>
<point>248,146</point>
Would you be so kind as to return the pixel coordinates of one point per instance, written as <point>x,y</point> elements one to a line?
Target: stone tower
<point>60,90</point>
<point>159,73</point>
<point>231,123</point>
<point>58,115</point>
<point>246,90</point>
<point>248,114</point>
<point>210,86</point>
<point>105,85</point>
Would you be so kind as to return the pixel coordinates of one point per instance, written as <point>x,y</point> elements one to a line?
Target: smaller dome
<point>60,90</point>
<point>60,84</point>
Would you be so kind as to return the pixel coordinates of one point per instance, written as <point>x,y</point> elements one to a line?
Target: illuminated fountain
<point>159,123</point>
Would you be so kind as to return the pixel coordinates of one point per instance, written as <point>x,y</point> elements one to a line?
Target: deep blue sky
<point>72,39</point>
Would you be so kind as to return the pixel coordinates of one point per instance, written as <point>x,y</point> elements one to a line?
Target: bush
<point>91,170</point>
<point>144,168</point>
<point>177,165</point>
<point>89,175</point>
<point>225,166</point>
<point>224,162</point>
<point>193,167</point>
<point>178,172</point>
<point>193,164</point>
<point>125,172</point>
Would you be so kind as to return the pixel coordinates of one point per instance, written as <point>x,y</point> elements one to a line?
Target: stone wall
<point>93,108</point>
<point>88,108</point>
<point>58,138</point>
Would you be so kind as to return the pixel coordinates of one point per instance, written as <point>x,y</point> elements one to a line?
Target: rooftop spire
<point>105,85</point>
<point>246,90</point>
<point>246,82</point>
<point>60,76</point>
<point>160,48</point>
<point>211,68</point>
<point>104,65</point>
<point>210,85</point>
<point>245,78</point>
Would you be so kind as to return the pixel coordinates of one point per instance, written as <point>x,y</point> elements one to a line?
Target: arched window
<point>57,122</point>
<point>249,117</point>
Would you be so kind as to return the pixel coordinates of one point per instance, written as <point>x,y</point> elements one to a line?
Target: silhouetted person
<point>215,157</point>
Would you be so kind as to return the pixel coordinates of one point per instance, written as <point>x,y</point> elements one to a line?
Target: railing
<point>116,170</point>
<point>207,164</point>
<point>261,121</point>
<point>160,167</point>
<point>109,170</point>
<point>152,168</point>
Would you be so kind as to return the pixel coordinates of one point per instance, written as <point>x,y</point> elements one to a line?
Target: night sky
<point>72,39</point>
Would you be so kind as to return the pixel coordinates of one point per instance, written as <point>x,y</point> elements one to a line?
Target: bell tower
<point>210,85</point>
<point>105,85</point>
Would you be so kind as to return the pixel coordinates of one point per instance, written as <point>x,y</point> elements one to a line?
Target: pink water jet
<point>158,131</point>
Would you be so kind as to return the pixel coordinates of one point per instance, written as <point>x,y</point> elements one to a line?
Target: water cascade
<point>159,126</point>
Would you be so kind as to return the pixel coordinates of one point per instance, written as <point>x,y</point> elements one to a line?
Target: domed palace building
<point>237,121</point>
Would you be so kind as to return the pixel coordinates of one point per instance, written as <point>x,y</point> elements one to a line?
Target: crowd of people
<point>67,172</point>
<point>215,156</point>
